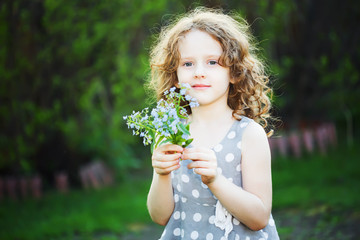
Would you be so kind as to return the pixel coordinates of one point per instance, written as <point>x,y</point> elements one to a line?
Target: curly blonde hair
<point>249,91</point>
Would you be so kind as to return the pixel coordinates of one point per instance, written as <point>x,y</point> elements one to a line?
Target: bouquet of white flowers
<point>167,122</point>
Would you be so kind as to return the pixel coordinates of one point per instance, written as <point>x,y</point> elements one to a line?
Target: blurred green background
<point>69,71</point>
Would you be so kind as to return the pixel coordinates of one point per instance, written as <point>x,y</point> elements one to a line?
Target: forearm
<point>246,207</point>
<point>160,199</point>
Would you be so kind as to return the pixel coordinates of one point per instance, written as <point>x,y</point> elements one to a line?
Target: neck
<point>210,114</point>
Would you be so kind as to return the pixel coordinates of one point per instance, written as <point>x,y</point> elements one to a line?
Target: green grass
<point>332,180</point>
<point>317,196</point>
<point>321,189</point>
<point>79,213</point>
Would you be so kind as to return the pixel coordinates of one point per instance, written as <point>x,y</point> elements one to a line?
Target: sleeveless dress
<point>198,214</point>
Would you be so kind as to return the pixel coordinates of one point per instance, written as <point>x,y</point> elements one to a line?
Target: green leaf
<point>158,141</point>
<point>167,140</point>
<point>152,134</point>
<point>187,142</point>
<point>152,147</point>
<point>183,128</point>
<point>181,116</point>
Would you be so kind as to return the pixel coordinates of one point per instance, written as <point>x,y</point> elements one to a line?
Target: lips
<point>201,86</point>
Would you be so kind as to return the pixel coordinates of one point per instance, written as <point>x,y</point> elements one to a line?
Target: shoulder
<point>254,129</point>
<point>254,135</point>
<point>249,126</point>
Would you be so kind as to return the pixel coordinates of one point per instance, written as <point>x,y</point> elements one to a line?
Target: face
<point>199,67</point>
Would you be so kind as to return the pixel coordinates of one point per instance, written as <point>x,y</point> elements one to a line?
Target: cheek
<point>182,76</point>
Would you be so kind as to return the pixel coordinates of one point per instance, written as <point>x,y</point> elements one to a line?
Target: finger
<point>202,164</point>
<point>195,156</point>
<point>166,157</point>
<point>167,170</point>
<point>205,172</point>
<point>170,148</point>
<point>196,149</point>
<point>164,165</point>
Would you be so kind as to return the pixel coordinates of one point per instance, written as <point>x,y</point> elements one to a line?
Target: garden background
<point>69,71</point>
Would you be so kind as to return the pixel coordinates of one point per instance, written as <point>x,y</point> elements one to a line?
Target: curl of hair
<point>249,93</point>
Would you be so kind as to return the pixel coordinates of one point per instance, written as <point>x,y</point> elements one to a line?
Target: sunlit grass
<point>81,213</point>
<point>332,179</point>
<point>317,196</point>
<point>312,185</point>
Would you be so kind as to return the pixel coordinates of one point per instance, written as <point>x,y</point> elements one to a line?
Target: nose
<point>199,71</point>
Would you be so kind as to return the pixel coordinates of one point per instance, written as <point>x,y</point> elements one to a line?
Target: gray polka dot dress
<point>195,205</point>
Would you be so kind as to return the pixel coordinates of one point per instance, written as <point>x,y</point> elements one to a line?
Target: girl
<point>222,188</point>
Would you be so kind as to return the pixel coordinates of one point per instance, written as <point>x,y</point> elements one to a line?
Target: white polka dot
<point>242,125</point>
<point>177,232</point>
<point>261,238</point>
<point>178,187</point>
<point>197,217</point>
<point>229,157</point>
<point>238,145</point>
<point>237,237</point>
<point>235,221</point>
<point>230,179</point>
<point>219,170</point>
<point>183,199</point>
<point>176,215</point>
<point>209,236</point>
<point>247,238</point>
<point>223,238</point>
<point>183,215</point>
<point>185,178</point>
<point>272,222</point>
<point>194,235</point>
<point>218,148</point>
<point>195,193</point>
<point>176,198</point>
<point>204,185</point>
<point>238,168</point>
<point>266,235</point>
<point>182,233</point>
<point>212,219</point>
<point>231,135</point>
<point>205,205</point>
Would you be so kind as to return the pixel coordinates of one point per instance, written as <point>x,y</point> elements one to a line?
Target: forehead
<point>197,42</point>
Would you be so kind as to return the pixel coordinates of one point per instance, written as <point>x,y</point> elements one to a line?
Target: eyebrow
<point>208,56</point>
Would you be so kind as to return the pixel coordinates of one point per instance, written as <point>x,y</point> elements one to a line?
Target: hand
<point>166,158</point>
<point>204,163</point>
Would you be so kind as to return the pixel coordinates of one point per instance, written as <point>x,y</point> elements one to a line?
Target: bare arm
<point>160,199</point>
<point>251,204</point>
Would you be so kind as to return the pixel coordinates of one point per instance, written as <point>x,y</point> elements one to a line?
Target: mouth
<point>201,86</point>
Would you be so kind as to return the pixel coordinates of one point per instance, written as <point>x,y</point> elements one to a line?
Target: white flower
<point>183,92</point>
<point>164,119</point>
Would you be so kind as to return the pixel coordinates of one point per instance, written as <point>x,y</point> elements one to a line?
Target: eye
<point>187,64</point>
<point>213,62</point>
